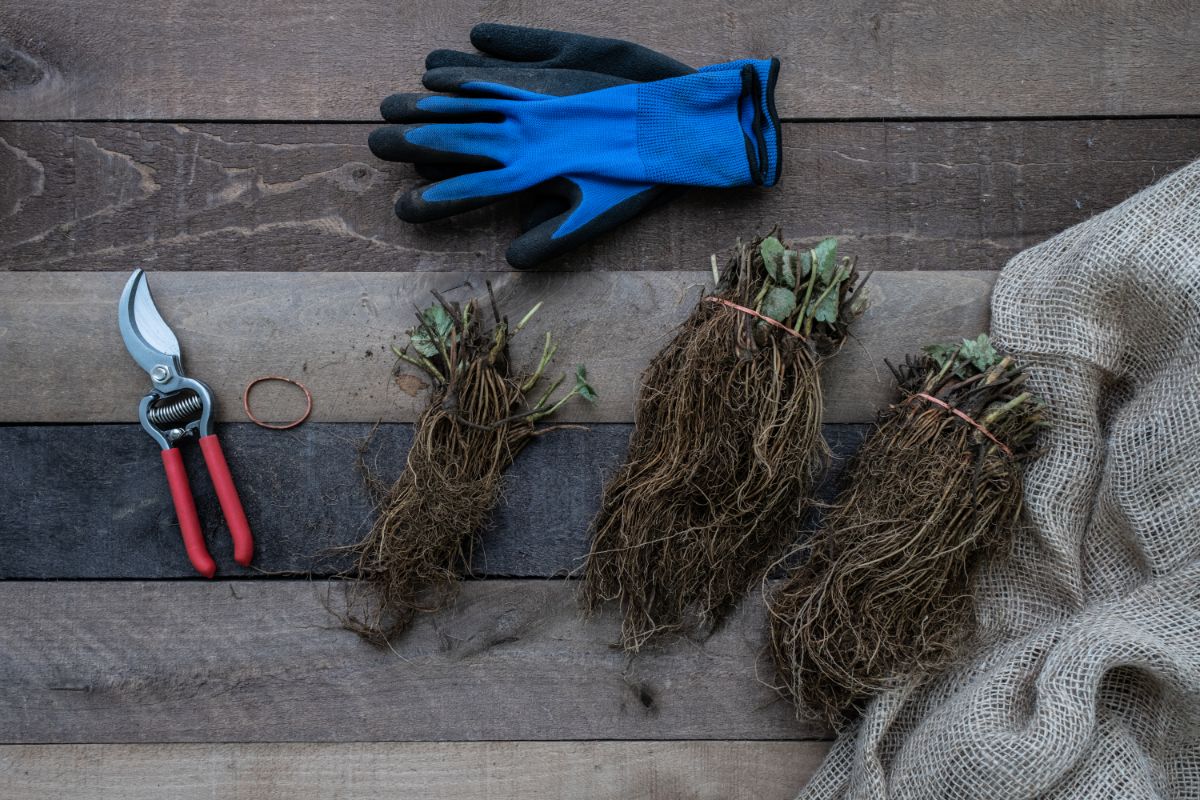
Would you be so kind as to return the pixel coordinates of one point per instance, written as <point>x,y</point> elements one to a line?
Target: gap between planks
<point>65,362</point>
<point>716,770</point>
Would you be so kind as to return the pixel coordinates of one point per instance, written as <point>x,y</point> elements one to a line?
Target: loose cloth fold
<point>1085,682</point>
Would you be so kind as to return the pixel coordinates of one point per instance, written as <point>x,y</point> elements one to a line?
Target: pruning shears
<point>177,408</point>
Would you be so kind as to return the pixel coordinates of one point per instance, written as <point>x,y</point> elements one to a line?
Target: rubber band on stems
<point>966,418</point>
<point>271,426</point>
<point>753,313</point>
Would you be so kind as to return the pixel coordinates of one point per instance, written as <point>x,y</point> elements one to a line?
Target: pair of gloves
<point>597,129</point>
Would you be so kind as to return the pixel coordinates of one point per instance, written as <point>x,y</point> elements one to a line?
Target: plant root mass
<point>726,443</point>
<point>885,596</point>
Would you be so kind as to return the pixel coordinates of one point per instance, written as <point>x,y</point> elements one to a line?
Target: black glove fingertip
<point>490,36</point>
<point>411,208</point>
<point>402,107</point>
<point>442,57</point>
<point>448,78</point>
<point>382,142</point>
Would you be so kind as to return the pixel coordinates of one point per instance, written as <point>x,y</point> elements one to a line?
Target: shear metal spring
<point>172,411</point>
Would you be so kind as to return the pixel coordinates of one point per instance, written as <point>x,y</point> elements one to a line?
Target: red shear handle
<point>185,510</point>
<point>231,504</point>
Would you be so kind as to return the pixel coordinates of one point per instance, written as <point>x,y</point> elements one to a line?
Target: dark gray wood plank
<point>926,195</point>
<point>259,661</point>
<point>717,770</point>
<point>300,60</point>
<point>334,330</point>
<point>90,501</point>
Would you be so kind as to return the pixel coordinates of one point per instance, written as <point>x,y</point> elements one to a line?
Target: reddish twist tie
<point>966,418</point>
<point>754,313</point>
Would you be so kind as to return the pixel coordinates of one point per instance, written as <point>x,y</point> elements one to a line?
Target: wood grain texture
<point>64,360</point>
<point>432,771</point>
<point>929,195</point>
<point>104,512</point>
<point>260,661</point>
<point>304,60</point>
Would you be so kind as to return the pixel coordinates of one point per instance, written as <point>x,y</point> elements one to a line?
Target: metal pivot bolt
<point>160,374</point>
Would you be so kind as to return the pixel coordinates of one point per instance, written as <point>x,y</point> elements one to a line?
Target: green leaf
<point>582,386</point>
<point>827,309</point>
<point>806,263</point>
<point>436,328</point>
<point>940,353</point>
<point>979,352</point>
<point>779,304</point>
<point>825,257</point>
<point>773,260</point>
<point>788,271</point>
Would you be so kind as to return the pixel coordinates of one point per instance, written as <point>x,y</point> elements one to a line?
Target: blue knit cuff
<point>760,121</point>
<point>715,128</point>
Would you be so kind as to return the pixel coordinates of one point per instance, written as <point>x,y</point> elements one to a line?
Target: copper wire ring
<point>285,426</point>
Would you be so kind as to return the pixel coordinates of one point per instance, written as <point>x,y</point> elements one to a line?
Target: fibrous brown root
<point>885,596</point>
<point>477,421</point>
<point>726,443</point>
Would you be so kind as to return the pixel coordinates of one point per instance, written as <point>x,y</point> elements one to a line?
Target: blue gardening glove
<point>554,63</point>
<point>609,152</point>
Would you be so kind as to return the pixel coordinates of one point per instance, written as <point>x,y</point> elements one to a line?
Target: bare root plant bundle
<point>726,443</point>
<point>885,595</point>
<point>481,413</point>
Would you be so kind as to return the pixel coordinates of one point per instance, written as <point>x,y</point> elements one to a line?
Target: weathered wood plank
<point>333,331</point>
<point>435,770</point>
<point>262,661</point>
<point>932,195</point>
<point>104,511</point>
<point>269,60</point>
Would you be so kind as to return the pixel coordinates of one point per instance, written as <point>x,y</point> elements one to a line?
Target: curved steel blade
<point>146,335</point>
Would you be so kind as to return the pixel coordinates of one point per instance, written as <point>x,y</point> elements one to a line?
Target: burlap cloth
<point>1087,682</point>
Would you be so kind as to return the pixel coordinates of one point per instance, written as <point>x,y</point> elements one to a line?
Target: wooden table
<point>222,146</point>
